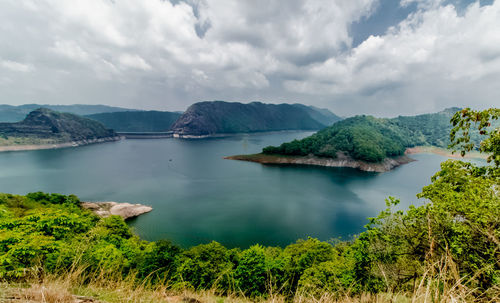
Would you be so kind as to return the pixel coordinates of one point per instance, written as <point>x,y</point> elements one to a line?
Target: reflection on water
<point>198,196</point>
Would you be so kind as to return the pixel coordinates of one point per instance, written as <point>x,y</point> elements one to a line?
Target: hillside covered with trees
<point>448,249</point>
<point>48,126</point>
<point>12,113</point>
<point>137,121</point>
<point>373,139</point>
<point>220,117</point>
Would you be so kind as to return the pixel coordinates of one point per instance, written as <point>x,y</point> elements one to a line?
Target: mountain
<point>219,117</point>
<point>137,121</point>
<point>371,139</point>
<point>47,126</point>
<point>322,115</point>
<point>10,113</point>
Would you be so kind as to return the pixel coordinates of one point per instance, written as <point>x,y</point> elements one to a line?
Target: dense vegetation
<point>137,121</point>
<point>206,118</point>
<point>373,139</point>
<point>11,113</point>
<point>45,124</point>
<point>447,249</point>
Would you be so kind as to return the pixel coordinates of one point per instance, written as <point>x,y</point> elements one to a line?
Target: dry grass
<point>437,284</point>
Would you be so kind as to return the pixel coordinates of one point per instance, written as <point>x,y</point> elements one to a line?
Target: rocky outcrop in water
<point>342,160</point>
<point>124,210</point>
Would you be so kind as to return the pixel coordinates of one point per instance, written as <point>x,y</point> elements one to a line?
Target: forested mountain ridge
<point>216,117</point>
<point>371,139</point>
<point>137,121</point>
<point>11,113</point>
<point>45,124</point>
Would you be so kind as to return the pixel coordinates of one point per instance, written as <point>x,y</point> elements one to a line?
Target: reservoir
<point>197,196</point>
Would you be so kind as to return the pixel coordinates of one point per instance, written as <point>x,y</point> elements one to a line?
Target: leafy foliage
<point>137,121</point>
<point>371,139</point>
<point>450,242</point>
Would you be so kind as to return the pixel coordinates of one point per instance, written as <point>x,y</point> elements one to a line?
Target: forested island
<point>447,249</point>
<point>363,142</point>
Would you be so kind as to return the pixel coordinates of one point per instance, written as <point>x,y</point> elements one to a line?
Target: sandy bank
<point>443,152</point>
<point>57,145</point>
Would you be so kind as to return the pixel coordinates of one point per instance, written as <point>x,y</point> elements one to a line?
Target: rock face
<point>58,127</point>
<point>219,117</point>
<point>342,160</point>
<point>124,210</point>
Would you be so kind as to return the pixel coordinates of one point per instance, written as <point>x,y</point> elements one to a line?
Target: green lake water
<point>197,196</point>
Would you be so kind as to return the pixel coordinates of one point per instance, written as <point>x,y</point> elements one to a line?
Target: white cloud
<point>134,61</point>
<point>16,66</point>
<point>433,59</point>
<point>156,54</point>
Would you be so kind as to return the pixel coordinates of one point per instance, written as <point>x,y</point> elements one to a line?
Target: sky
<point>379,57</point>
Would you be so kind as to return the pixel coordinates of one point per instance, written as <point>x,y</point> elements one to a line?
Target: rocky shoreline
<point>58,145</point>
<point>124,210</point>
<point>341,161</point>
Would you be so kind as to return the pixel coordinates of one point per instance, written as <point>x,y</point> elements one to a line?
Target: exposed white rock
<point>124,210</point>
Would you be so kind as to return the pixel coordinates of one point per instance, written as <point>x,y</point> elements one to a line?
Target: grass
<point>77,286</point>
<point>10,141</point>
<point>444,152</point>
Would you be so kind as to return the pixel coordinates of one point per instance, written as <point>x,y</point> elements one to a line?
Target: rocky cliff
<point>58,127</point>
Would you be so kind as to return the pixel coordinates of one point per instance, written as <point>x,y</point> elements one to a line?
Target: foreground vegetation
<point>445,250</point>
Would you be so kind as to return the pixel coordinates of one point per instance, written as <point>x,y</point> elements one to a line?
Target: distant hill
<point>322,115</point>
<point>137,121</point>
<point>10,113</point>
<point>217,117</point>
<point>372,139</point>
<point>47,126</point>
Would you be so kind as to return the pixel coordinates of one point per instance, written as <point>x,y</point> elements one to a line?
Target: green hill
<point>10,113</point>
<point>137,121</point>
<point>216,117</point>
<point>372,139</point>
<point>47,126</point>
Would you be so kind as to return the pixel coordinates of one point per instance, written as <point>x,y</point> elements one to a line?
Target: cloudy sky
<point>381,57</point>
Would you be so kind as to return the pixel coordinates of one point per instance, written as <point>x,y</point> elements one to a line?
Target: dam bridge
<point>146,135</point>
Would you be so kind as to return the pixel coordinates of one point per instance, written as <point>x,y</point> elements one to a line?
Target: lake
<point>197,196</point>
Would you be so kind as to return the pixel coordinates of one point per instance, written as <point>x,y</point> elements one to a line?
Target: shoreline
<point>341,161</point>
<point>224,135</point>
<point>443,152</point>
<point>11,148</point>
<point>344,160</point>
<point>123,209</point>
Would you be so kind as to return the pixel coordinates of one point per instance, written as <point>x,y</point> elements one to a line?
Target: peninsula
<point>363,142</point>
<point>45,129</point>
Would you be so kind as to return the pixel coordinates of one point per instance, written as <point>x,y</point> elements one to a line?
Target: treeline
<point>373,139</point>
<point>446,249</point>
<point>452,240</point>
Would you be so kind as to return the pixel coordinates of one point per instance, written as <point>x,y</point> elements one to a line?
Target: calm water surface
<point>198,196</point>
